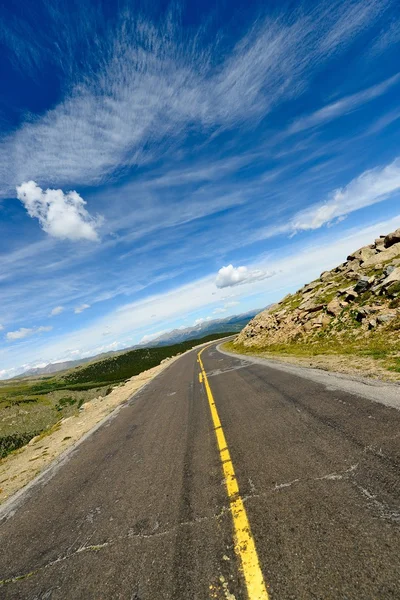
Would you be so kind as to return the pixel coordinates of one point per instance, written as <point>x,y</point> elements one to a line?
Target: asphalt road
<point>141,510</point>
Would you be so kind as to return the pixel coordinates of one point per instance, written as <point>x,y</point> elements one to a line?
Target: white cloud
<point>225,307</point>
<point>24,332</point>
<point>152,336</point>
<point>61,215</point>
<point>230,276</point>
<point>202,320</point>
<point>343,106</point>
<point>81,308</point>
<point>128,322</point>
<point>56,311</point>
<point>154,83</point>
<point>370,187</point>
<point>1,327</point>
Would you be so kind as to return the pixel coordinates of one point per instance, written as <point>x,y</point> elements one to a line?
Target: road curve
<point>143,509</point>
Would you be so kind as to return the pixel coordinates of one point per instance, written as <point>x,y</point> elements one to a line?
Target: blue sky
<point>163,163</point>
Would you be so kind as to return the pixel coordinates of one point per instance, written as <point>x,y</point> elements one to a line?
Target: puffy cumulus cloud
<point>81,308</point>
<point>61,215</point>
<point>230,276</point>
<point>369,188</point>
<point>56,311</point>
<point>24,332</point>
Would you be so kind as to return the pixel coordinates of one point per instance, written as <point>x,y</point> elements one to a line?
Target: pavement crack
<point>80,550</point>
<point>333,476</point>
<point>129,536</point>
<point>383,510</point>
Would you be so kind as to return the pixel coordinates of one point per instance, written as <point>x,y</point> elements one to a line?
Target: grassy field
<point>29,407</point>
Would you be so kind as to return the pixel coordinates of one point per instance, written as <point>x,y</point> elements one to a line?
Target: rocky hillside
<point>357,301</point>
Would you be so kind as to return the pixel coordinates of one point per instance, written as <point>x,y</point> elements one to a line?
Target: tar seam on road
<point>244,543</point>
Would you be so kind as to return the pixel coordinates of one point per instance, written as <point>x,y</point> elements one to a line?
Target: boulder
<point>311,286</point>
<point>381,257</point>
<point>334,307</point>
<point>366,251</point>
<point>325,275</point>
<point>363,284</point>
<point>392,238</point>
<point>392,275</point>
<point>379,244</point>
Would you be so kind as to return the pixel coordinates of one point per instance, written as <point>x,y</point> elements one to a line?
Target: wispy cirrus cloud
<point>154,89</point>
<point>343,106</point>
<point>81,308</point>
<point>372,186</point>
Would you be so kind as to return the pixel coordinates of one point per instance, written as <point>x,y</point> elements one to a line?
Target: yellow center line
<point>245,547</point>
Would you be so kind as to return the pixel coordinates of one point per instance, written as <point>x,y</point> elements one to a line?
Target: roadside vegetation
<point>31,407</point>
<point>386,355</point>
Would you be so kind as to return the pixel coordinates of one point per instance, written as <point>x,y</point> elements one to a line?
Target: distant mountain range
<point>229,324</point>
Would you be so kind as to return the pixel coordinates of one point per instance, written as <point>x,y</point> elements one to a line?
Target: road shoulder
<point>45,454</point>
<point>386,393</point>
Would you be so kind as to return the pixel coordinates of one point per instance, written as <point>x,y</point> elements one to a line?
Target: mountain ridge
<point>229,324</point>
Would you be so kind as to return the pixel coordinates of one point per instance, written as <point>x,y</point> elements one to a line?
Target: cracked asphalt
<point>139,511</point>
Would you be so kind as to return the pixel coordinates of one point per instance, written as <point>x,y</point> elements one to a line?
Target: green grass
<point>121,367</point>
<point>383,347</point>
<point>29,407</point>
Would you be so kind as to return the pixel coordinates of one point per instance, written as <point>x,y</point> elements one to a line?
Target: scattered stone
<point>385,318</point>
<point>282,324</point>
<point>361,314</point>
<point>389,269</point>
<point>350,296</point>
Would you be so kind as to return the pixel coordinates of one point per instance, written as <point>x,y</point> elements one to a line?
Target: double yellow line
<point>244,543</point>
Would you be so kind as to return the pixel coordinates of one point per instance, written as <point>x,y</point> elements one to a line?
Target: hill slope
<point>352,308</point>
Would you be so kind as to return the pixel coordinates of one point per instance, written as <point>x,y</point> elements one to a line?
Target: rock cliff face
<point>357,299</point>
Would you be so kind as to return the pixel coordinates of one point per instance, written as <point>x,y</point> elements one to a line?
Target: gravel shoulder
<point>328,373</point>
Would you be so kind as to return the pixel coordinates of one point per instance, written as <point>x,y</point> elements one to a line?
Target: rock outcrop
<point>357,299</point>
